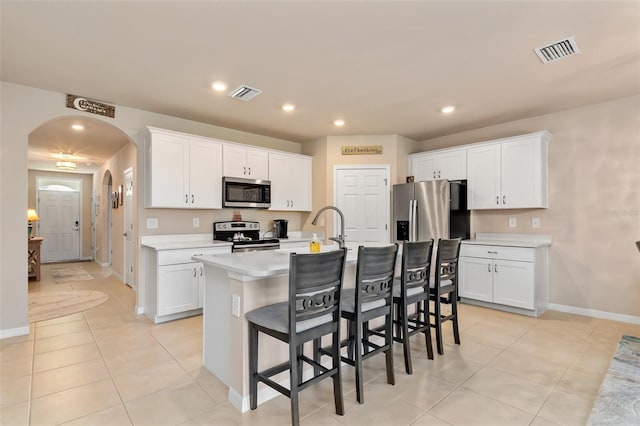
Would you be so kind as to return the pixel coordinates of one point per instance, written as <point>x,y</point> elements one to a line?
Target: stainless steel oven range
<point>244,235</point>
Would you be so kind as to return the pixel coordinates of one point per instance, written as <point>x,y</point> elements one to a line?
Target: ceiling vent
<point>558,50</point>
<point>244,92</point>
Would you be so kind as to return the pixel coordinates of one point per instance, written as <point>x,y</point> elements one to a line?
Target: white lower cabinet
<point>513,278</point>
<point>179,287</point>
<point>175,282</point>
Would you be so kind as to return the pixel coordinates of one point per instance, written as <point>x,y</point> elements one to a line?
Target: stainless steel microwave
<point>247,193</point>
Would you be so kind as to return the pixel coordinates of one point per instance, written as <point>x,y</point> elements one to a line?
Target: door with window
<point>59,225</point>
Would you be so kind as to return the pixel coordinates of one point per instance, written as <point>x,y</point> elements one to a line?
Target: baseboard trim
<point>117,275</point>
<point>13,332</point>
<point>595,313</point>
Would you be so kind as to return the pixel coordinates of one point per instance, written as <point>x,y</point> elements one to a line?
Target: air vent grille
<point>244,92</point>
<point>558,50</point>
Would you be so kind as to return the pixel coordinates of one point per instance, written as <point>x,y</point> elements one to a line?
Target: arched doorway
<point>101,152</point>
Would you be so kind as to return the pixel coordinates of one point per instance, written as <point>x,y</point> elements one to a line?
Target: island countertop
<point>262,264</point>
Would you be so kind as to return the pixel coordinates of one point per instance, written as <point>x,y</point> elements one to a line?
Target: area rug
<point>70,273</point>
<point>618,401</point>
<point>45,305</point>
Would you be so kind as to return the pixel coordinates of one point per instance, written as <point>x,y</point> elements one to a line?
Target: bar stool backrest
<point>416,266</point>
<point>374,276</point>
<point>315,283</point>
<point>447,262</point>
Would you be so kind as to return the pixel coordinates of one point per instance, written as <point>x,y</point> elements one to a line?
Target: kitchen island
<point>235,284</point>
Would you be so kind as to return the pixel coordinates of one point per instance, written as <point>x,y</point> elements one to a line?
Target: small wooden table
<point>34,257</point>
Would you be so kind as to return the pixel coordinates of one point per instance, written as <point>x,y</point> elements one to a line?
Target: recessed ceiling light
<point>339,122</point>
<point>77,127</point>
<point>448,109</point>
<point>288,107</point>
<point>219,86</point>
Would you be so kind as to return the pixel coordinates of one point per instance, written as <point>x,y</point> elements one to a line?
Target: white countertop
<point>261,264</point>
<point>510,240</point>
<point>189,241</point>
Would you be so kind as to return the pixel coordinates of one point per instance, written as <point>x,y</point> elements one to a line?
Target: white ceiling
<point>384,67</point>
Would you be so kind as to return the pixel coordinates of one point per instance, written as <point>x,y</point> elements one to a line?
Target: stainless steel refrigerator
<point>432,209</point>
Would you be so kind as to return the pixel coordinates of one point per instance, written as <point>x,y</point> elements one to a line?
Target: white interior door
<point>128,228</point>
<point>59,225</point>
<point>363,195</point>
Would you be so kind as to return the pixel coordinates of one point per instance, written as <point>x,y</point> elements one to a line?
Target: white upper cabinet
<point>290,177</point>
<point>450,164</point>
<point>242,162</point>
<point>510,173</point>
<point>182,171</point>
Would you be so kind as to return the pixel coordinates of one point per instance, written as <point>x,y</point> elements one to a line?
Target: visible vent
<point>244,92</point>
<point>558,50</point>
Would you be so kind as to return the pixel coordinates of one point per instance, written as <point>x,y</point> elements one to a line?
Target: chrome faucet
<point>340,238</point>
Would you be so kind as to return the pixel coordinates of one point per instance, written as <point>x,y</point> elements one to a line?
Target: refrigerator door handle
<point>414,237</point>
<point>410,220</point>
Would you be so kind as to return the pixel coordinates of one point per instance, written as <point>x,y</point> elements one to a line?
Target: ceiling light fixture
<point>66,165</point>
<point>219,86</point>
<point>448,109</point>
<point>339,122</point>
<point>77,127</point>
<point>67,157</point>
<point>288,107</point>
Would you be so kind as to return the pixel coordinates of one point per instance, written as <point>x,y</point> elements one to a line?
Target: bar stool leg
<point>357,339</point>
<point>294,367</point>
<point>405,337</point>
<point>337,379</point>
<point>391,378</point>
<point>253,366</point>
<point>438,318</point>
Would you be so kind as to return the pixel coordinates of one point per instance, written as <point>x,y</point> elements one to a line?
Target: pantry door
<point>363,195</point>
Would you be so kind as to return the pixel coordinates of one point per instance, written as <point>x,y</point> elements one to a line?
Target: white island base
<point>235,284</point>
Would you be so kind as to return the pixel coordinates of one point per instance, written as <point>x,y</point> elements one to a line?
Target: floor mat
<point>45,305</point>
<point>70,273</point>
<point>618,402</point>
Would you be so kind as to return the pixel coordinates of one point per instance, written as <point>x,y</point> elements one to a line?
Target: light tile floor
<point>108,366</point>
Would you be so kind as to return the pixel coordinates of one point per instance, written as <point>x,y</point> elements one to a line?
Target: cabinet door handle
<point>193,198</point>
<point>434,174</point>
<point>249,171</point>
<point>291,203</point>
<point>504,199</point>
<point>495,268</point>
<point>201,271</point>
<point>244,170</point>
<point>497,199</point>
<point>488,267</point>
<point>186,198</point>
<point>194,272</point>
<point>438,173</point>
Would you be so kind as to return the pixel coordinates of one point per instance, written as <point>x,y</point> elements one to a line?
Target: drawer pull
<point>492,252</point>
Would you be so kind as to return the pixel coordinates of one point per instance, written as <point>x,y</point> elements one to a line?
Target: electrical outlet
<point>513,222</point>
<point>235,305</point>
<point>152,223</point>
<point>535,222</point>
<point>196,222</point>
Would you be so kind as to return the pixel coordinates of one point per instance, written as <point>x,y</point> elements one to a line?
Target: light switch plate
<point>196,222</point>
<point>513,222</point>
<point>235,305</point>
<point>535,222</point>
<point>152,223</point>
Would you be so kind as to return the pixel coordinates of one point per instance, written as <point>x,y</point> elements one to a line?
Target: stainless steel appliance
<point>244,235</point>
<point>280,228</point>
<point>431,209</point>
<point>248,193</point>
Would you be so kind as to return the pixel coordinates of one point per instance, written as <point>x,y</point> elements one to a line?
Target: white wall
<point>23,109</point>
<point>594,204</point>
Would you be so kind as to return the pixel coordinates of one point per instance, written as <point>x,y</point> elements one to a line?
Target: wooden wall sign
<point>89,105</point>
<point>362,150</point>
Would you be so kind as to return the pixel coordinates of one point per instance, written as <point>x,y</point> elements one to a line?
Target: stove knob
<point>225,226</point>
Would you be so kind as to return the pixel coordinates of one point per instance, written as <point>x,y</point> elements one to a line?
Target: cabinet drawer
<point>172,257</point>
<point>523,254</point>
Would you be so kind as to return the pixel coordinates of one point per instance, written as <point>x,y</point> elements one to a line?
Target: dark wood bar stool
<point>371,299</point>
<point>445,289</point>
<point>413,289</point>
<point>313,311</point>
